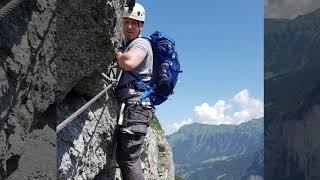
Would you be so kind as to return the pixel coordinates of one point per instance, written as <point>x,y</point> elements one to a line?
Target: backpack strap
<point>141,85</point>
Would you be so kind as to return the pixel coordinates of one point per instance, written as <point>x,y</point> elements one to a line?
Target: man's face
<point>131,28</point>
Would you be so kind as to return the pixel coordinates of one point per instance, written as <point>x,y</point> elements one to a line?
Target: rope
<point>84,107</point>
<point>113,82</point>
<point>9,7</point>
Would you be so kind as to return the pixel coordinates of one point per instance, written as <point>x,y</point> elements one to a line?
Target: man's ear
<point>141,26</point>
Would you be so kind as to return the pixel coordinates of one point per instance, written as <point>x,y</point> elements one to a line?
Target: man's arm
<point>130,59</point>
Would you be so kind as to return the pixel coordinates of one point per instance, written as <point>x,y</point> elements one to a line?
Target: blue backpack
<point>166,68</point>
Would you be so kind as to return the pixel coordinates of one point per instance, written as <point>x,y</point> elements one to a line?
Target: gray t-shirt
<point>143,71</point>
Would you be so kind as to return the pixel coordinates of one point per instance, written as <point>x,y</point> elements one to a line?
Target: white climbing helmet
<point>138,12</point>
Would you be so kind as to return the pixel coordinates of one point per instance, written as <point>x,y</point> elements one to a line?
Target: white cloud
<point>242,107</point>
<point>213,114</point>
<point>238,109</point>
<point>250,108</point>
<point>177,125</point>
<point>242,97</point>
<point>241,115</point>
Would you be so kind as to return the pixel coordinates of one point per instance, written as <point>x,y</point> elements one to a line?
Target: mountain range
<point>202,151</point>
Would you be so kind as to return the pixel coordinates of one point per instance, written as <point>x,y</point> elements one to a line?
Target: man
<point>135,61</point>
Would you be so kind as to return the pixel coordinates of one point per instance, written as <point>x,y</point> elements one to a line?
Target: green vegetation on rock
<point>178,178</point>
<point>155,124</point>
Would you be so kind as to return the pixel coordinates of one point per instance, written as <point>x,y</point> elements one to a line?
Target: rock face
<point>87,34</point>
<point>51,56</point>
<point>157,157</point>
<point>86,147</point>
<point>292,98</point>
<point>27,79</point>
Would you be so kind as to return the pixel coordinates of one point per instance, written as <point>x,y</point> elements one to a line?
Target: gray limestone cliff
<point>51,56</point>
<point>157,156</point>
<point>292,98</point>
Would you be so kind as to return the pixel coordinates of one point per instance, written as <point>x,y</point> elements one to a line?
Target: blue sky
<point>220,46</point>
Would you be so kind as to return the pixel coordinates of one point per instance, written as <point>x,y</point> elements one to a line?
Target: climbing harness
<point>10,6</point>
<point>112,78</point>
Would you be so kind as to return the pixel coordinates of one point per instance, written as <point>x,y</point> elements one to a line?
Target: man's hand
<point>118,55</point>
